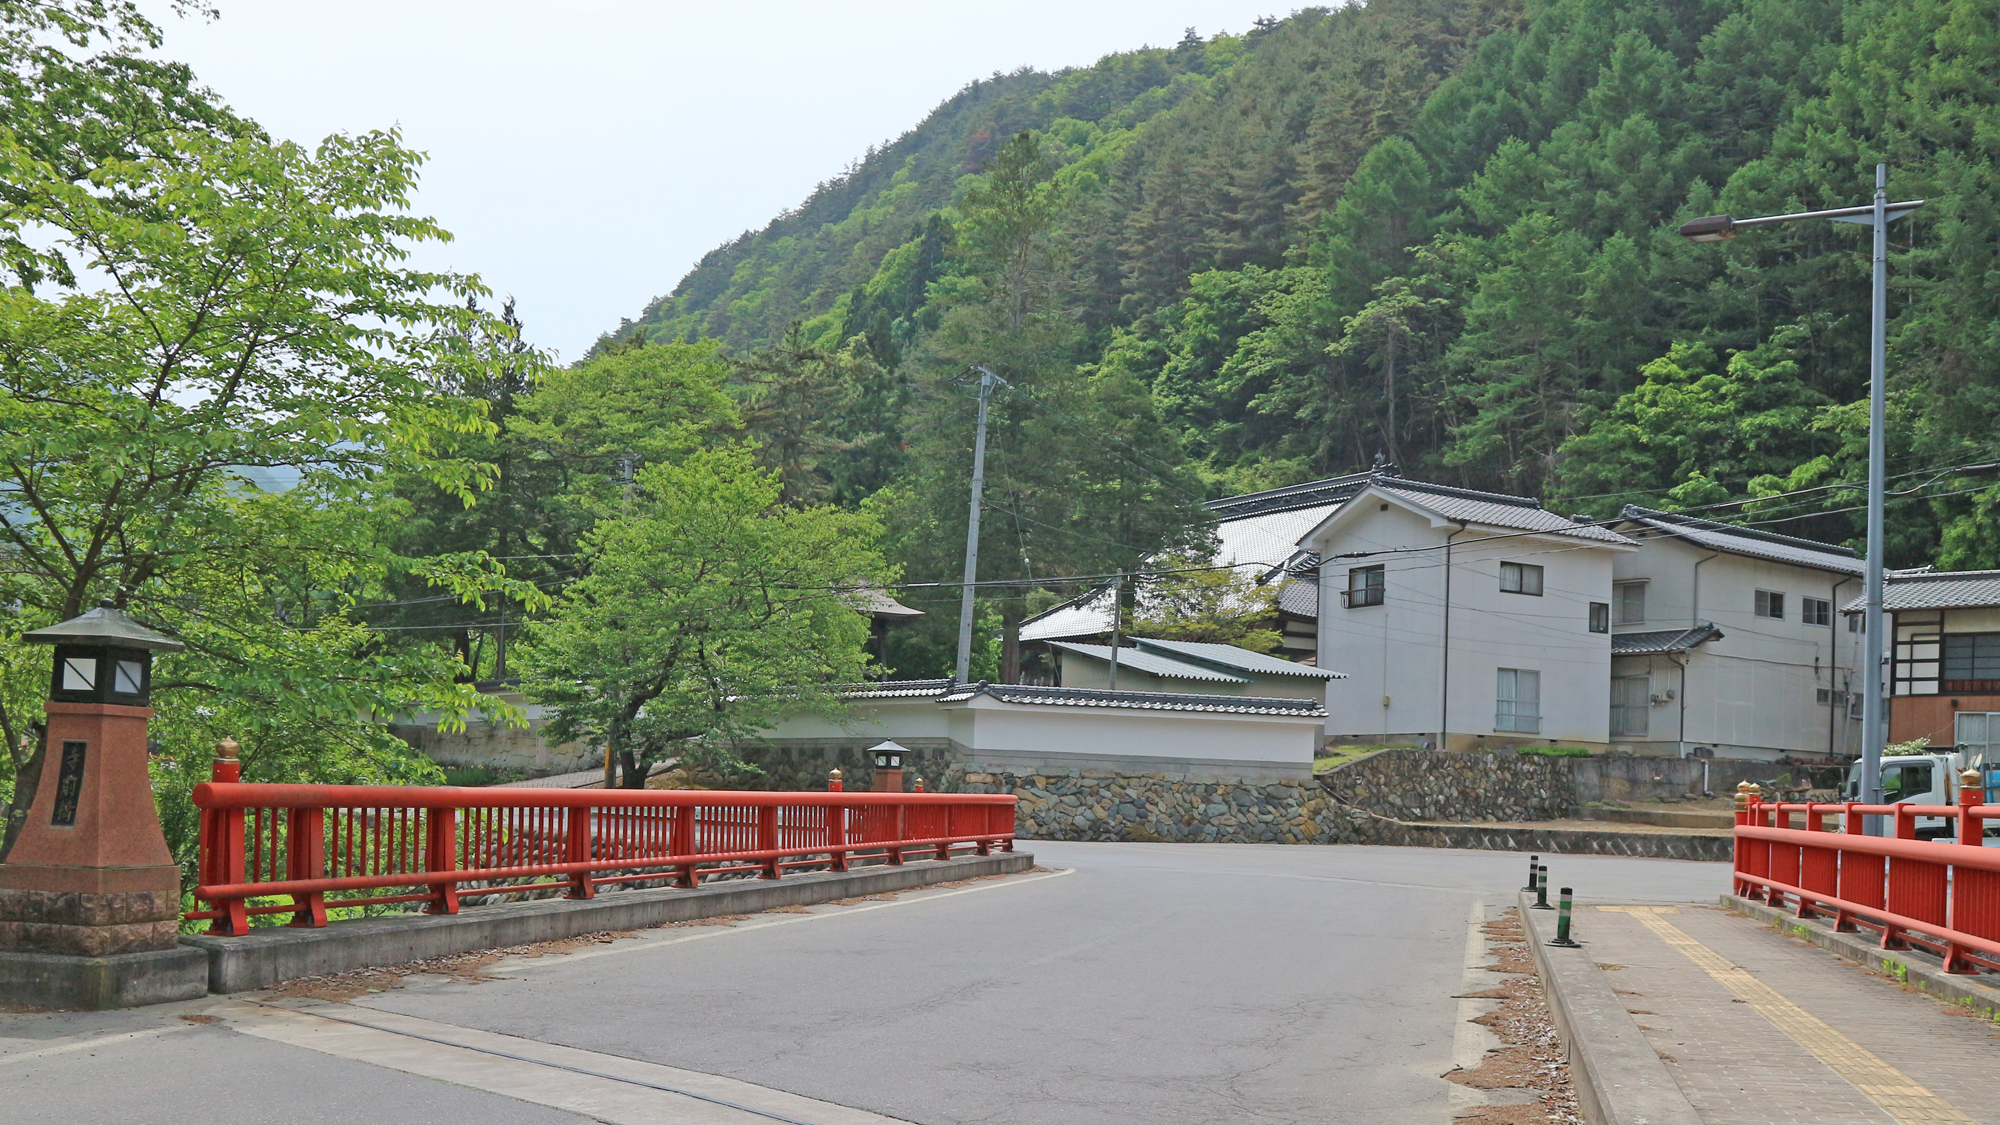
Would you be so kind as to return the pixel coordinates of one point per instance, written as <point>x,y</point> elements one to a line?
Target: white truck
<point>1928,777</point>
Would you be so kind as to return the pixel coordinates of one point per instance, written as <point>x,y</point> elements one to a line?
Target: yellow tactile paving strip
<point>1899,1095</point>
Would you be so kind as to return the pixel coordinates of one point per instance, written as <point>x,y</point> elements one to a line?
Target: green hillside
<point>1438,230</point>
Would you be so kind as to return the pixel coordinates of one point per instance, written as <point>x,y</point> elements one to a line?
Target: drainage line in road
<point>550,1065</point>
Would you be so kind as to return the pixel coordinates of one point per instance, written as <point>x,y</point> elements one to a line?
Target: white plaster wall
<point>1027,738</point>
<point>1393,652</point>
<point>1753,693</point>
<point>990,726</point>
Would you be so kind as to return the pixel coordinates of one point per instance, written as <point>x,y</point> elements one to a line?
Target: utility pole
<point>1878,214</point>
<point>1117,614</point>
<point>986,381</point>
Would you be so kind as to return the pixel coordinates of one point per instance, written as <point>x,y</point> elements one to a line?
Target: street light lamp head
<point>1709,228</point>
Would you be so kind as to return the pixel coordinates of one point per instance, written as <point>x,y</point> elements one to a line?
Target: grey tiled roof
<point>1494,510</point>
<point>1240,659</point>
<point>1153,662</point>
<point>1659,642</point>
<point>1139,700</point>
<point>893,689</point>
<point>1745,540</point>
<point>1946,589</point>
<point>1299,597</point>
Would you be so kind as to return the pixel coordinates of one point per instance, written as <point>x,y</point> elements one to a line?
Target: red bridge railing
<point>430,844</point>
<point>1941,895</point>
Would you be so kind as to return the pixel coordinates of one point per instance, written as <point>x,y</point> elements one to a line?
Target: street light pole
<point>1874,720</point>
<point>1878,214</point>
<point>964,672</point>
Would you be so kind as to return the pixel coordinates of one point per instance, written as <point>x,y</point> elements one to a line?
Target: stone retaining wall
<point>1411,784</point>
<point>1176,808</point>
<point>1171,808</point>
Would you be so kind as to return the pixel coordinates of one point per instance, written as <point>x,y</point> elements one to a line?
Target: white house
<point>1727,638</point>
<point>1463,619</point>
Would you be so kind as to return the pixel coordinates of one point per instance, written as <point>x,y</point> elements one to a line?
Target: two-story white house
<point>1729,639</point>
<point>1464,619</point>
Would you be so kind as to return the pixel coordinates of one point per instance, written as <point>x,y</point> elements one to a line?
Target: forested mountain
<point>1443,231</point>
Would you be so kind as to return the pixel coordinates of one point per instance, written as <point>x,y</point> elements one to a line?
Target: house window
<point>1857,623</point>
<point>1816,611</point>
<point>1600,617</point>
<point>1771,604</point>
<point>1520,702</point>
<point>1916,654</point>
<point>1631,603</point>
<point>1631,705</point>
<point>1364,587</point>
<point>1520,578</point>
<point>1971,662</point>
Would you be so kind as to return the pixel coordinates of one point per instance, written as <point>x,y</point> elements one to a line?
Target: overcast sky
<point>587,154</point>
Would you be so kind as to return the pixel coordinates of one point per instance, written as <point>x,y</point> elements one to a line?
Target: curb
<point>1619,1078</point>
<point>266,956</point>
<point>1911,966</point>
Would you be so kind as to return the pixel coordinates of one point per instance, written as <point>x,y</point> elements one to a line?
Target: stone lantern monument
<point>888,758</point>
<point>90,898</point>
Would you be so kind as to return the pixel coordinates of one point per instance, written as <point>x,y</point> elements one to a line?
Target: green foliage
<point>1081,476</point>
<point>1220,606</point>
<point>261,329</point>
<point>1444,231</point>
<point>710,612</point>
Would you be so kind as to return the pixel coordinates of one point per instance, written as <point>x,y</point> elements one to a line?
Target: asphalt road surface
<point>1127,983</point>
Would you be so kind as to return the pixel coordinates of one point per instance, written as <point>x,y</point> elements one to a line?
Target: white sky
<point>587,154</point>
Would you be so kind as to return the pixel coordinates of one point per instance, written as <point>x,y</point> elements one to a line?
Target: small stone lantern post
<point>888,767</point>
<point>90,897</point>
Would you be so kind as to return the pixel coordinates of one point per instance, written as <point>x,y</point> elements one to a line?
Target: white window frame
<point>1518,701</point>
<point>1620,602</point>
<point>1815,611</point>
<point>1600,617</point>
<point>1768,604</point>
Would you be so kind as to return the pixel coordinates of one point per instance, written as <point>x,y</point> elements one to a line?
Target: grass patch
<point>482,775</point>
<point>1331,757</point>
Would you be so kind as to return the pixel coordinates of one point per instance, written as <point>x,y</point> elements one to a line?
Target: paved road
<point>1142,984</point>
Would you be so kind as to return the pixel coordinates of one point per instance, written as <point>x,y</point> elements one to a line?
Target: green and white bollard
<point>1562,937</point>
<point>1532,861</point>
<point>1542,889</point>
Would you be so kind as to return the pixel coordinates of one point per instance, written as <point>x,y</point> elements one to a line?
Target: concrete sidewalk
<point>1754,1026</point>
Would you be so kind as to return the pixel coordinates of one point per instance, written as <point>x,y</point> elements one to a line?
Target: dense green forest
<point>1443,231</point>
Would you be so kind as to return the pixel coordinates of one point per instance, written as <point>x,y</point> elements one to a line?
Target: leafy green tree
<point>258,328</point>
<point>1186,601</point>
<point>1698,431</point>
<point>509,520</point>
<point>710,612</point>
<point>1080,474</point>
<point>827,422</point>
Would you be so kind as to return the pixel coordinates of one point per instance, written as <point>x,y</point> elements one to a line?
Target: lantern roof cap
<point>889,745</point>
<point>104,625</point>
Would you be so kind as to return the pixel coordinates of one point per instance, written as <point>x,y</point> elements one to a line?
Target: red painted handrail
<point>303,842</point>
<point>1941,895</point>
